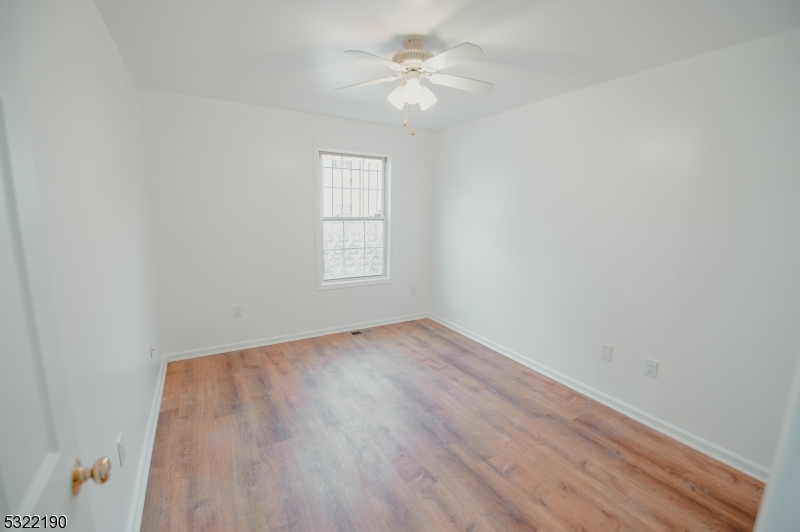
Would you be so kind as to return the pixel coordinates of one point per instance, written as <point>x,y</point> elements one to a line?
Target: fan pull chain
<point>405,119</point>
<point>412,119</point>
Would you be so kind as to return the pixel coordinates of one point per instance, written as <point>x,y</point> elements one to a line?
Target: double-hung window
<point>353,218</point>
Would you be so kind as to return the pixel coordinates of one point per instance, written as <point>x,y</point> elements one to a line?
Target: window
<point>352,191</point>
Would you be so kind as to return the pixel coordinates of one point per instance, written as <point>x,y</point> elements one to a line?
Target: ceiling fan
<point>412,65</point>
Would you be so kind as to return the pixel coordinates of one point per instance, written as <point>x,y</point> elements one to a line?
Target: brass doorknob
<point>99,472</point>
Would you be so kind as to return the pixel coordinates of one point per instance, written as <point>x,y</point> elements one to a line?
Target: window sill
<point>352,283</point>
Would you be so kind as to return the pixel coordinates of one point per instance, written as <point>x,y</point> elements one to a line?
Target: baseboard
<point>140,487</point>
<point>696,442</point>
<point>217,349</point>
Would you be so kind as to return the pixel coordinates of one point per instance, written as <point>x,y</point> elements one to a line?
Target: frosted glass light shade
<point>426,99</point>
<point>413,91</point>
<point>397,97</point>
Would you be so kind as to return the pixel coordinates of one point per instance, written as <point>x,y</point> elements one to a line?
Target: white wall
<point>658,213</point>
<point>232,195</point>
<point>88,151</point>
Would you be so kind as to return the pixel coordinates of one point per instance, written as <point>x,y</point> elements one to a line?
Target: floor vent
<point>360,331</point>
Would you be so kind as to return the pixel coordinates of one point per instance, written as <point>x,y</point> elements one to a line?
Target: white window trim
<point>353,282</point>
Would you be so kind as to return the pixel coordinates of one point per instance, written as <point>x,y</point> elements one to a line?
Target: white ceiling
<point>289,53</point>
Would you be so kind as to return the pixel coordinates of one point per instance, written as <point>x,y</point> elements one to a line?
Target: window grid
<point>352,186</point>
<point>353,217</point>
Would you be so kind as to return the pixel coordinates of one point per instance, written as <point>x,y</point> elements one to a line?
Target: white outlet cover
<point>650,367</point>
<point>413,290</point>
<point>606,351</point>
<point>121,450</point>
<point>237,311</point>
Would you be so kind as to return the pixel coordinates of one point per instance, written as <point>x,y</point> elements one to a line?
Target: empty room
<point>400,265</point>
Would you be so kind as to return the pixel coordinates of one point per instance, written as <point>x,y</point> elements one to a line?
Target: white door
<point>38,444</point>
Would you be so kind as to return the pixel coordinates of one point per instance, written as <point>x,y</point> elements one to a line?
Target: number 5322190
<point>35,521</point>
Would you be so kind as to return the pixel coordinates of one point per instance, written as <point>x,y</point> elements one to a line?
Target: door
<point>779,511</point>
<point>38,443</point>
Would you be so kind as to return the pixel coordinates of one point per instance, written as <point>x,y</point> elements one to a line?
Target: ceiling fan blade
<point>462,52</point>
<point>464,84</point>
<point>364,84</point>
<point>371,57</point>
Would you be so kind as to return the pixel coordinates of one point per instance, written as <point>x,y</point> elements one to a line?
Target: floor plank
<point>415,427</point>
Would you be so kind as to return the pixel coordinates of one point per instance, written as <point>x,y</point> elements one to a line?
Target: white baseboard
<point>140,487</point>
<point>696,442</point>
<point>217,349</point>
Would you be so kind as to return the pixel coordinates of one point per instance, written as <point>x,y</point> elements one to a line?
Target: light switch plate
<point>605,352</point>
<point>650,367</point>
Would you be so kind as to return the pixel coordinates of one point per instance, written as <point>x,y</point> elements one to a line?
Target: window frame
<point>351,282</point>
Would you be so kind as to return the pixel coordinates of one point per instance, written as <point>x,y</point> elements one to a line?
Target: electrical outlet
<point>650,367</point>
<point>152,351</point>
<point>237,311</point>
<point>121,450</point>
<point>605,352</point>
<point>413,290</point>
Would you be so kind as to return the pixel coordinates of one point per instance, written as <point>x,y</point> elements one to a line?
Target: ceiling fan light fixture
<point>412,91</point>
<point>413,63</point>
<point>397,97</point>
<point>426,99</point>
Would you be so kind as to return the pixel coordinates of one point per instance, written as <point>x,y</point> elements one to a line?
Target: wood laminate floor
<point>415,427</point>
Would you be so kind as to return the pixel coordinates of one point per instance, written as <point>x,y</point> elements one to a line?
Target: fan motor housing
<point>412,54</point>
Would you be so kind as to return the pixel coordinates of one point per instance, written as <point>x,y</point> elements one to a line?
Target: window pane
<point>333,264</point>
<point>356,204</point>
<point>337,177</point>
<point>337,202</point>
<point>354,234</point>
<point>369,199</point>
<point>354,262</point>
<point>327,202</point>
<point>347,207</point>
<point>327,160</point>
<point>332,235</point>
<point>373,261</point>
<point>351,162</point>
<point>327,177</point>
<point>373,203</point>
<point>373,234</point>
